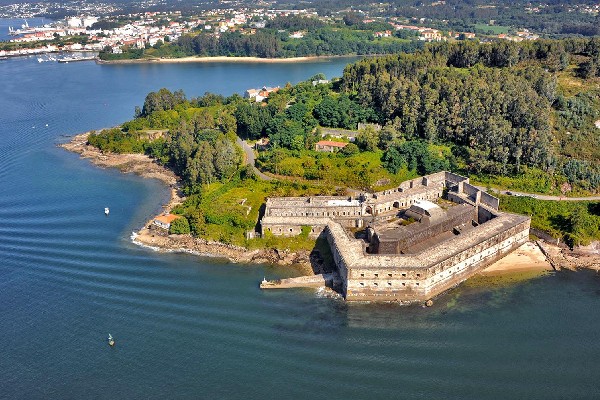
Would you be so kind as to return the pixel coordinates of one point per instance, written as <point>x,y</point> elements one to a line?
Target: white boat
<point>106,211</point>
<point>111,341</point>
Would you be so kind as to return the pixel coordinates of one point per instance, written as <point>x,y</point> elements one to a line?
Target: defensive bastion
<point>420,238</point>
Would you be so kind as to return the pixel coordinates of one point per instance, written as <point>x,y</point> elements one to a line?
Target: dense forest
<point>519,116</point>
<point>495,103</point>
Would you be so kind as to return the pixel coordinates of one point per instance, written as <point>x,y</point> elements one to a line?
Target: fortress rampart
<point>405,263</point>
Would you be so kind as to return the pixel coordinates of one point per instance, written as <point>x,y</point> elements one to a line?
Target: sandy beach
<point>195,59</point>
<point>528,257</point>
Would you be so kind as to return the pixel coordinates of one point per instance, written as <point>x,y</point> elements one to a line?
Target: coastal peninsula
<point>344,139</point>
<point>526,258</point>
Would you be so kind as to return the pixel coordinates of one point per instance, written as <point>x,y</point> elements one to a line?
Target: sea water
<point>190,327</point>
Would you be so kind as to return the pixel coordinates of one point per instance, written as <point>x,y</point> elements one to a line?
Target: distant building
<point>89,21</point>
<point>431,35</point>
<point>164,221</point>
<point>329,146</point>
<point>260,94</point>
<point>74,22</point>
<point>320,82</point>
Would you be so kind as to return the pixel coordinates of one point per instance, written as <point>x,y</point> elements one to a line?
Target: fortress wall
<point>395,244</point>
<point>470,261</point>
<point>405,199</point>
<point>490,200</point>
<point>291,229</point>
<point>337,254</point>
<point>422,283</point>
<point>470,191</point>
<point>281,226</point>
<point>484,214</point>
<point>438,177</point>
<point>314,211</point>
<point>458,199</point>
<point>454,178</point>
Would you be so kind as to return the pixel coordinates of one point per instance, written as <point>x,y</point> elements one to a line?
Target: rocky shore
<point>146,167</point>
<point>527,257</point>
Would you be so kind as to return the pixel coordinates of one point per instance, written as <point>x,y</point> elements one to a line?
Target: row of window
<point>318,214</point>
<point>376,284</point>
<point>376,275</point>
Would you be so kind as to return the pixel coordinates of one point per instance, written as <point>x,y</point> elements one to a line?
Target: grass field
<point>495,29</point>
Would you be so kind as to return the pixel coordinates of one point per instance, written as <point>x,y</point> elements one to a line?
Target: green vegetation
<point>490,29</point>
<point>497,105</point>
<point>512,115</point>
<point>180,226</point>
<point>274,41</point>
<point>239,201</point>
<point>575,222</point>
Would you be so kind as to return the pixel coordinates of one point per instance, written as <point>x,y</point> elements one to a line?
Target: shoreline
<point>144,166</point>
<point>196,59</point>
<point>530,257</point>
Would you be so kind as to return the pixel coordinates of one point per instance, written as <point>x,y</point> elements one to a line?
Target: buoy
<point>429,303</point>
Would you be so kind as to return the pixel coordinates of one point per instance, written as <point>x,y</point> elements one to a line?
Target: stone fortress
<point>409,243</point>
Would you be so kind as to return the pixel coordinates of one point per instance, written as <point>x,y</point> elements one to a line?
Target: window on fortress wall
<point>376,275</point>
<point>403,283</point>
<point>418,275</point>
<point>291,229</point>
<point>375,284</point>
<point>362,275</point>
<point>417,283</point>
<point>362,284</point>
<point>390,275</point>
<point>404,275</point>
<point>389,283</point>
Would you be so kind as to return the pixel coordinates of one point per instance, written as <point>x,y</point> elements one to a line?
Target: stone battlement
<point>440,249</point>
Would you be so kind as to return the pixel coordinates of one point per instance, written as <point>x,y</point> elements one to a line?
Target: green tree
<point>179,226</point>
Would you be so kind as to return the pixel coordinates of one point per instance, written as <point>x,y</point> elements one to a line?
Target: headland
<point>526,257</point>
<point>146,167</point>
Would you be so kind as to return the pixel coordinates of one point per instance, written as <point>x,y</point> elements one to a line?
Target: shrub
<point>180,226</point>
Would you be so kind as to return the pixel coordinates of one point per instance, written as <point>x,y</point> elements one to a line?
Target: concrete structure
<point>414,249</point>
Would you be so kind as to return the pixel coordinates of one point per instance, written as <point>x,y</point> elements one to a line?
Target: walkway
<point>540,196</point>
<point>250,159</point>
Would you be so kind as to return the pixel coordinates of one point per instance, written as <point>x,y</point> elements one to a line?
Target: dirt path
<point>539,196</point>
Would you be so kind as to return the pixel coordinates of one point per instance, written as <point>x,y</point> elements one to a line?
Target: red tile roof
<point>332,144</point>
<point>166,219</point>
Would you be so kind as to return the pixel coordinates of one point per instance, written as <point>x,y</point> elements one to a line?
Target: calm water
<point>200,328</point>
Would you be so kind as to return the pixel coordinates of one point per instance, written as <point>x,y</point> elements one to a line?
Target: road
<point>250,159</point>
<point>540,196</point>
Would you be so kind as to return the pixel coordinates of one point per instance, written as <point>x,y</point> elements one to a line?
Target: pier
<point>313,281</point>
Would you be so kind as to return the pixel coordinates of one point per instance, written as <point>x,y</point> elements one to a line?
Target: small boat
<point>106,211</point>
<point>111,341</point>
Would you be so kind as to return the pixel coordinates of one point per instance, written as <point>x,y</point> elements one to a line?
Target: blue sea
<point>199,328</point>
